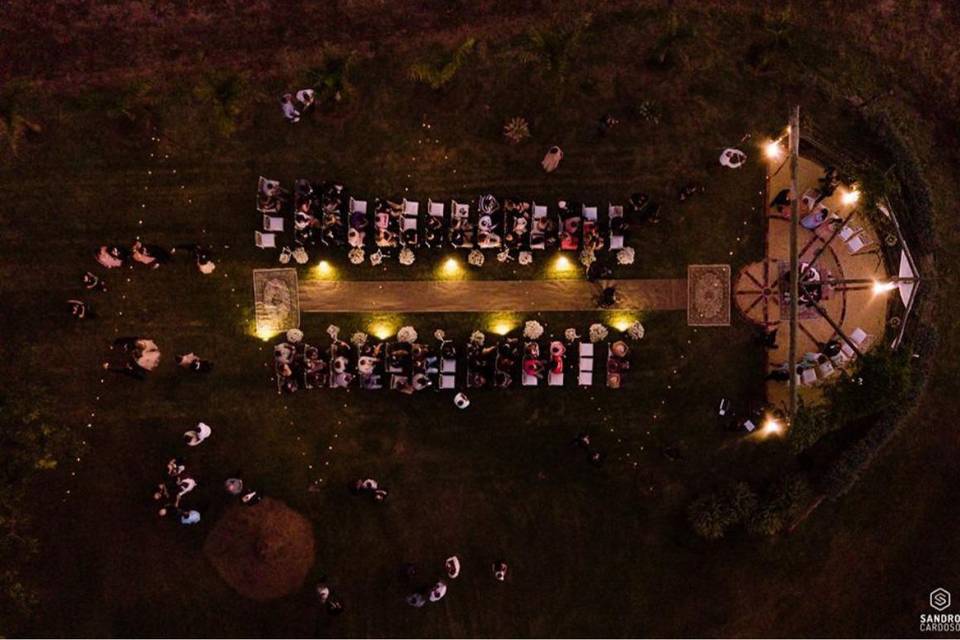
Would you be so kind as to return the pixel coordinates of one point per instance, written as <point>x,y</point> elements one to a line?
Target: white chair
<point>358,206</point>
<point>826,369</point>
<point>841,358</point>
<point>537,239</point>
<point>848,232</point>
<point>271,223</point>
<point>859,337</point>
<point>615,211</point>
<point>268,187</point>
<point>448,373</point>
<point>460,215</point>
<point>411,213</point>
<point>529,380</point>
<point>265,240</point>
<point>585,377</point>
<point>749,426</point>
<point>589,213</point>
<point>855,244</point>
<point>808,375</point>
<point>809,197</point>
<point>555,379</point>
<point>847,350</point>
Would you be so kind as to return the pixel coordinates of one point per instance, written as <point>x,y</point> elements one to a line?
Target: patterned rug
<point>276,300</point>
<point>708,295</point>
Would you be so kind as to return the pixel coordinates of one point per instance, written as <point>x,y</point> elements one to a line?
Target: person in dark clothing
<point>831,348</point>
<point>608,297</point>
<point>828,184</point>
<point>781,200</point>
<point>770,339</point>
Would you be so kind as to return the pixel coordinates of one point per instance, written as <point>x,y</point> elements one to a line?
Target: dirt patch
<point>264,551</point>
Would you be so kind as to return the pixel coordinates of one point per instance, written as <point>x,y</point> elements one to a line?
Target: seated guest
<point>149,254</point>
<point>91,282</point>
<point>112,256</point>
<point>79,309</point>
<point>194,363</point>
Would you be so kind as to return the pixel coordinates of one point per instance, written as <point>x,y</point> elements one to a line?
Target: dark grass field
<point>593,551</point>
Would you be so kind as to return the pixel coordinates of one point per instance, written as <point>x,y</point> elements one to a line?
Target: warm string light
<point>883,287</point>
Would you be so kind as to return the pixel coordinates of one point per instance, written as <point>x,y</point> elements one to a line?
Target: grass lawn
<point>593,551</point>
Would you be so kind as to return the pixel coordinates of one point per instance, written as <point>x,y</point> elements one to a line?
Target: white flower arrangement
<point>407,256</point>
<point>478,338</point>
<point>285,254</point>
<point>626,255</point>
<point>333,331</point>
<point>598,332</point>
<point>636,331</point>
<point>440,335</point>
<point>294,336</point>
<point>407,334</point>
<point>356,255</point>
<point>376,258</point>
<point>587,257</point>
<point>503,256</point>
<point>571,334</point>
<point>359,338</point>
<point>300,255</point>
<point>525,258</point>
<point>475,258</point>
<point>532,330</point>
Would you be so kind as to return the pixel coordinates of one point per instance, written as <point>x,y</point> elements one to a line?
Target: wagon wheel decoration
<point>757,291</point>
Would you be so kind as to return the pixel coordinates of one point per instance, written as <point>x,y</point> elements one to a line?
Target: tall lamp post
<point>794,258</point>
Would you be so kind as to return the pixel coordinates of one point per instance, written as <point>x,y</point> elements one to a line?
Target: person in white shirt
<point>289,110</point>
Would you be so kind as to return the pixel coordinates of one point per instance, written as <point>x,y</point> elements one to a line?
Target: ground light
<point>324,269</point>
<point>562,263</point>
<point>451,268</point>
<point>503,323</point>
<point>772,427</point>
<point>883,287</point>
<point>621,321</point>
<point>382,330</point>
<point>773,150</point>
<point>850,197</point>
<point>265,334</point>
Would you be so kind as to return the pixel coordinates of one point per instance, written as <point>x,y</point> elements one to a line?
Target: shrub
<point>711,516</point>
<point>438,75</point>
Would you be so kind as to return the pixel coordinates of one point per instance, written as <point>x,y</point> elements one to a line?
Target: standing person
<point>307,99</point>
<point>290,113</point>
<point>193,362</point>
<point>79,309</point>
<point>828,184</point>
<point>92,282</point>
<point>552,160</point>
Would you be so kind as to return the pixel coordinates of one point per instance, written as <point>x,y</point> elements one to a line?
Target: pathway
<point>423,296</point>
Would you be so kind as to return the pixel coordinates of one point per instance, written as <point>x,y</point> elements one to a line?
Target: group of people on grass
<point>136,357</point>
<point>112,256</point>
<point>178,483</point>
